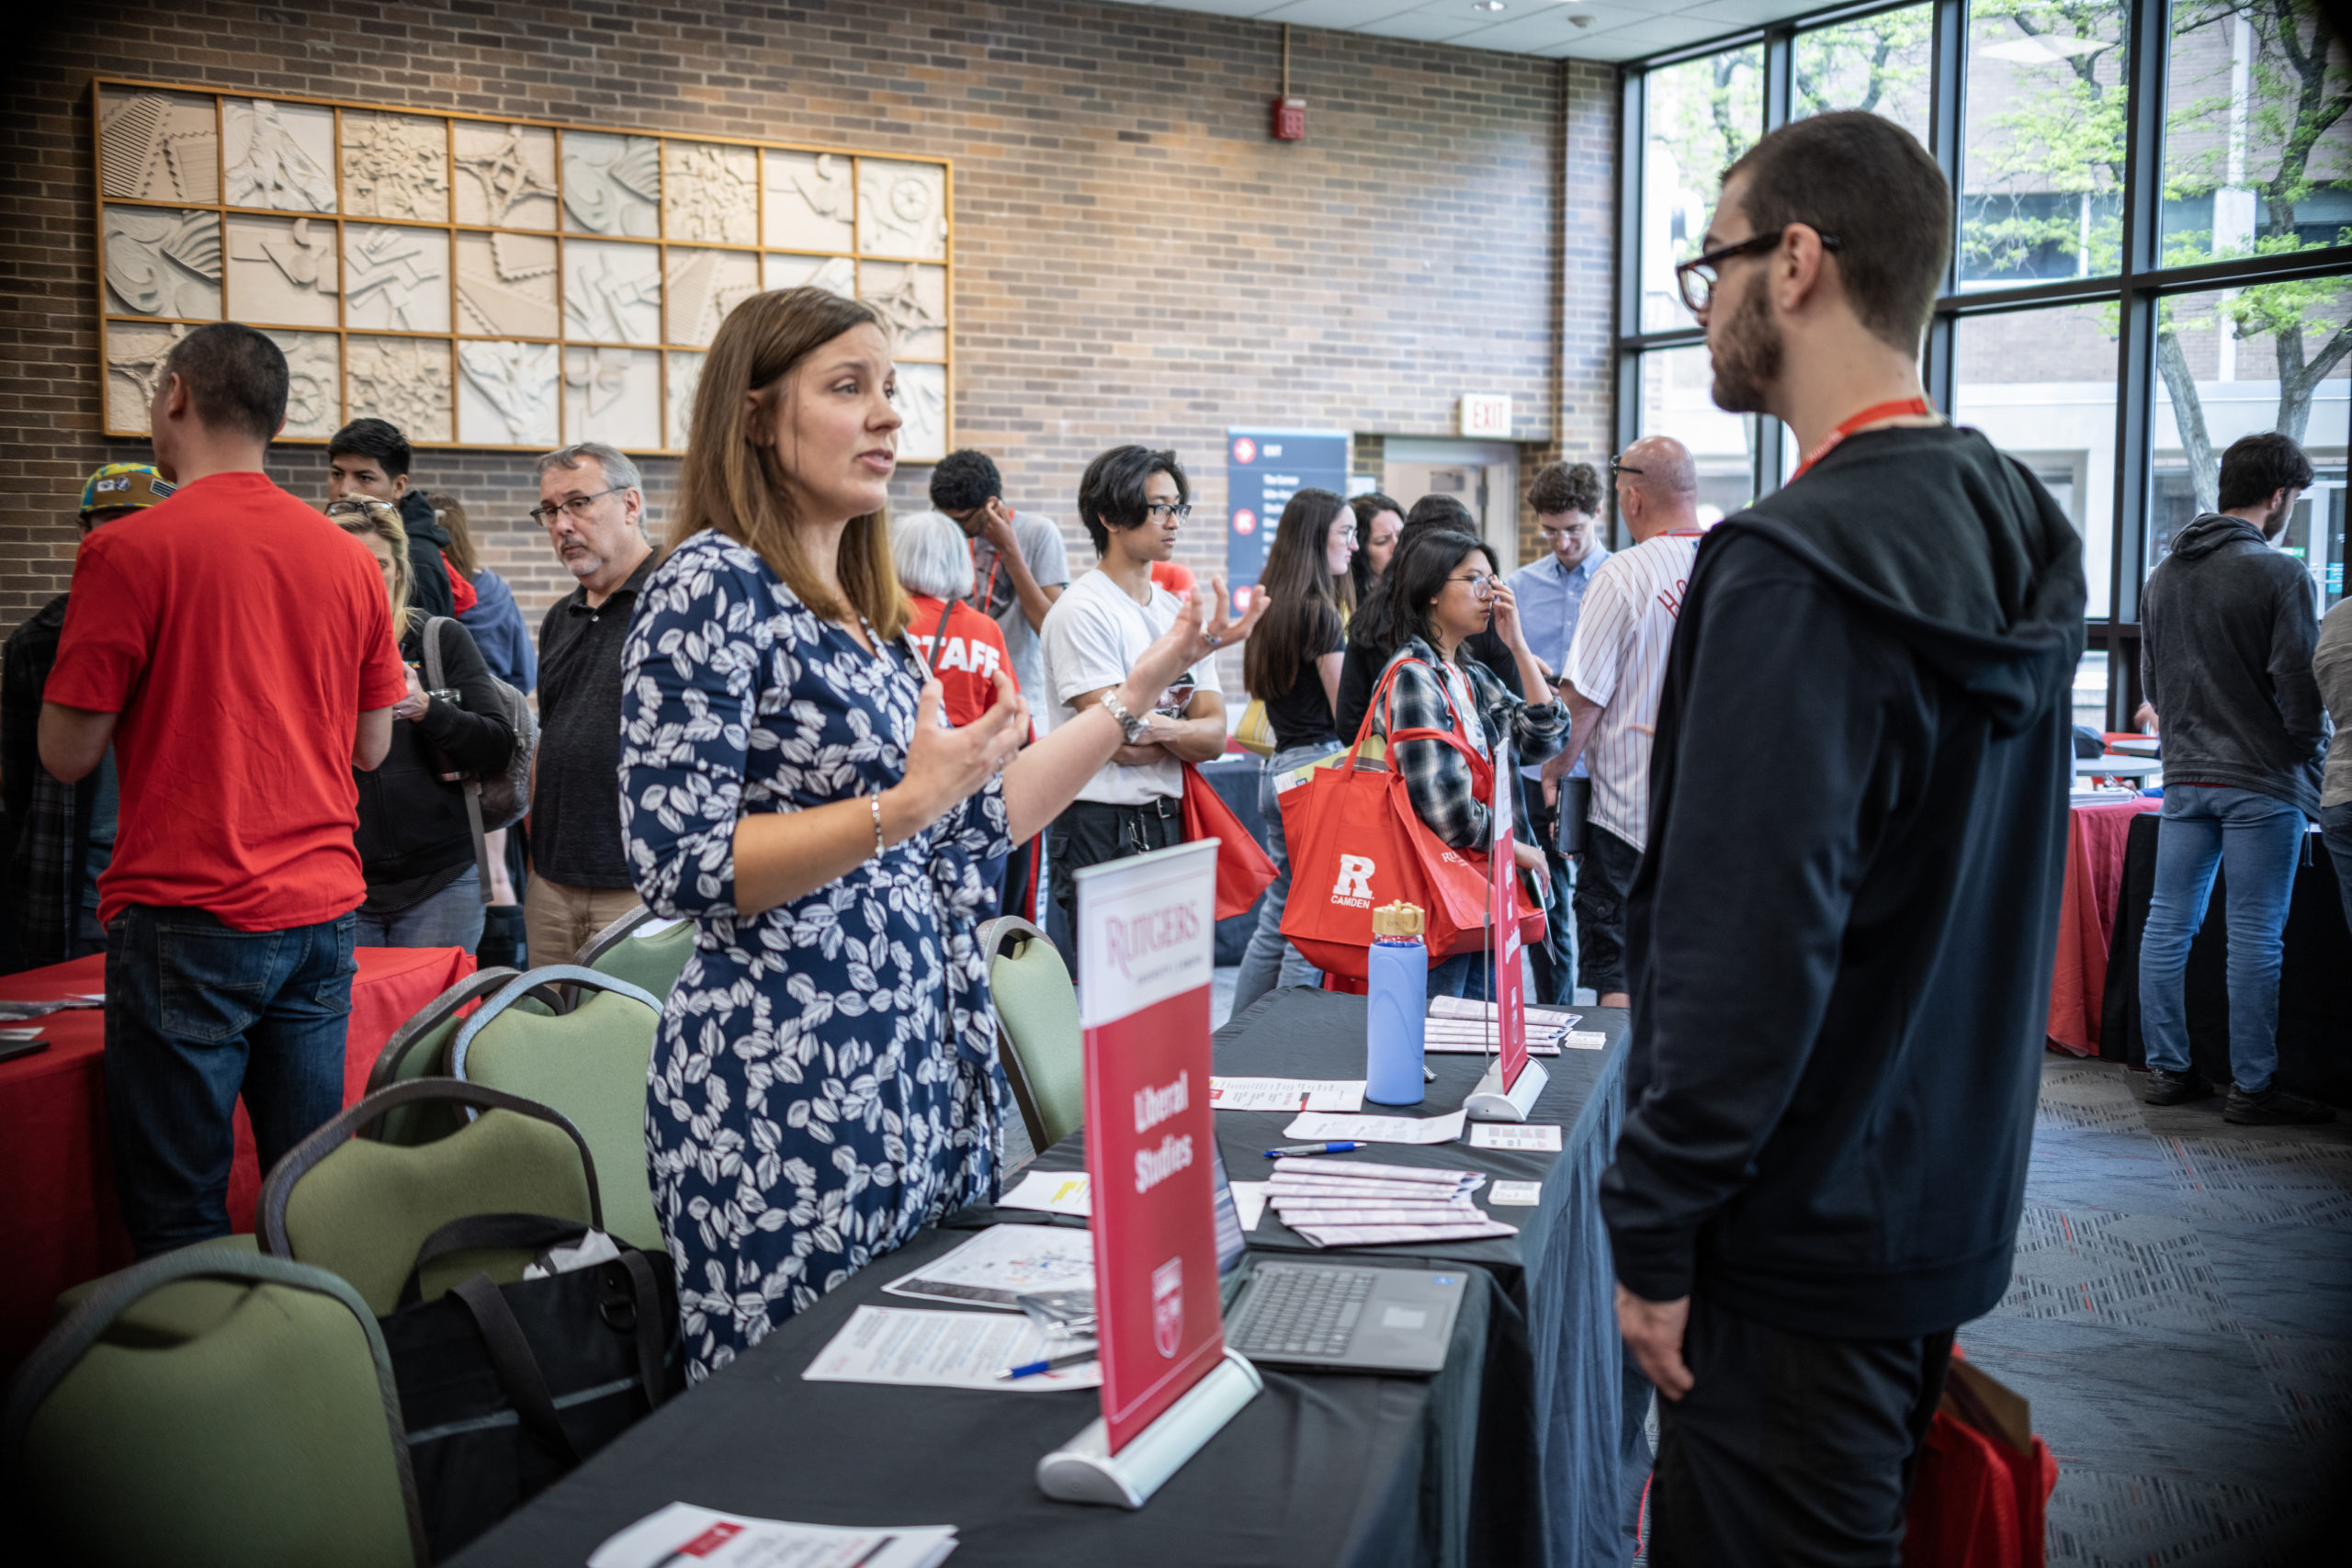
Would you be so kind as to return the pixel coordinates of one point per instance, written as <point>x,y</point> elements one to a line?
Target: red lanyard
<point>1870,415</point>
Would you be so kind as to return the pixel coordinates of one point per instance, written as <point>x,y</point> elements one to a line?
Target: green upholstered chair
<point>419,1048</point>
<point>591,1064</point>
<point>646,953</point>
<point>1037,1033</point>
<point>361,1208</point>
<point>208,1408</point>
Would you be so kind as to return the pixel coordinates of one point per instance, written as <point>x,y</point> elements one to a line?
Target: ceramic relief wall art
<point>486,281</point>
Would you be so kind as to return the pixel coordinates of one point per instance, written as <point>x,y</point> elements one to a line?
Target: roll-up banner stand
<point>1146,948</point>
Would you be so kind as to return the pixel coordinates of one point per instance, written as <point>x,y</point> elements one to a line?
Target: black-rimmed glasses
<point>1698,277</point>
<point>1175,510</point>
<point>544,512</point>
<point>1617,467</point>
<point>1482,585</point>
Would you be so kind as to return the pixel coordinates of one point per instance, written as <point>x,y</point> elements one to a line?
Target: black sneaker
<point>2169,1087</point>
<point>2274,1107</point>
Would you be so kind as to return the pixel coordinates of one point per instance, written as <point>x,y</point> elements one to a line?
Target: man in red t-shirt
<point>236,648</point>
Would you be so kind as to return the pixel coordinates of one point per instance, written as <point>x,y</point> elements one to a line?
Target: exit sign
<point>1486,415</point>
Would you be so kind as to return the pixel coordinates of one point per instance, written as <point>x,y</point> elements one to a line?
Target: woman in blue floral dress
<point>826,1080</point>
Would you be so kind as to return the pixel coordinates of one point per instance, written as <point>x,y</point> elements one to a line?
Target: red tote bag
<point>1356,843</point>
<point>1243,870</point>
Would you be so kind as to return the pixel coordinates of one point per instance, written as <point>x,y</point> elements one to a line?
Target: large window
<point>1879,62</point>
<point>2040,384</point>
<point>1700,116</point>
<point>1677,400</point>
<point>2152,257</point>
<point>2042,165</point>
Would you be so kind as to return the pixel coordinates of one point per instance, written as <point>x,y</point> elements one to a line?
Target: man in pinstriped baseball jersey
<point>1610,682</point>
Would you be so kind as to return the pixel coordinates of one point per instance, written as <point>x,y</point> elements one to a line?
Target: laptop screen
<point>1230,1246</point>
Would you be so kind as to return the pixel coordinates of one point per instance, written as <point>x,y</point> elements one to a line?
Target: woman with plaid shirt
<point>1443,587</point>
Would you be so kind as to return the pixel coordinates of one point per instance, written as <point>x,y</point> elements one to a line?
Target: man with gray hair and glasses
<point>592,507</point>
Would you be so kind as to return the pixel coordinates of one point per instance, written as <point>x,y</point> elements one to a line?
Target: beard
<point>2274,526</point>
<point>1748,359</point>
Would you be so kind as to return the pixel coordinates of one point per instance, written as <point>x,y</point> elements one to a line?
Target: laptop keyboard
<point>1305,1311</point>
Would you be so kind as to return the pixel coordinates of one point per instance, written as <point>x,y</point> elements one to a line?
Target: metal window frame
<point>2138,284</point>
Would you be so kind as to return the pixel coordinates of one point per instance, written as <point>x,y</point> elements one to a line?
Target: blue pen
<point>1050,1364</point>
<point>1311,1149</point>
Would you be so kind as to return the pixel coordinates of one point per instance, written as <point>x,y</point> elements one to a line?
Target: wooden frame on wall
<point>487,282</point>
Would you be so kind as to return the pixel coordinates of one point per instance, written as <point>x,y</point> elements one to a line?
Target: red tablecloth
<point>2096,835</point>
<point>59,1223</point>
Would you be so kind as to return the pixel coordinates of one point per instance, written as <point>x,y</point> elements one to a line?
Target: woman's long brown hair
<point>735,484</point>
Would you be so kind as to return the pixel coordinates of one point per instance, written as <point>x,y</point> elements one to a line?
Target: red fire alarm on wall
<point>1290,114</point>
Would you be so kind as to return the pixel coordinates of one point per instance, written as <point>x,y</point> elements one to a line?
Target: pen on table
<point>1050,1364</point>
<point>1311,1149</point>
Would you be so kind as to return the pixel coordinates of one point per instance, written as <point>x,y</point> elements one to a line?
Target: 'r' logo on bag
<point>1354,885</point>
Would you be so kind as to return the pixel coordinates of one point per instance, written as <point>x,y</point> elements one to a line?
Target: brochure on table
<point>1513,1083</point>
<point>685,1533</point>
<point>1146,939</point>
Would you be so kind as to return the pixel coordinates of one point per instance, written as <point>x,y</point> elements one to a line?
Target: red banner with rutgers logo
<point>1147,945</point>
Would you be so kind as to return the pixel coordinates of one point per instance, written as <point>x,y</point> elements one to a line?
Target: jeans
<point>451,918</point>
<point>196,1013</point>
<point>2336,830</point>
<point>1790,1447</point>
<point>1469,975</point>
<point>1555,959</point>
<point>2257,838</point>
<point>1271,959</point>
<point>1604,878</point>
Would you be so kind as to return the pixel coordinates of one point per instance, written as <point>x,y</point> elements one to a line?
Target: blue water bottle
<point>1398,983</point>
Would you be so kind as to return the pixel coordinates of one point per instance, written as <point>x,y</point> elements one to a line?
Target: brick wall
<point>1136,259</point>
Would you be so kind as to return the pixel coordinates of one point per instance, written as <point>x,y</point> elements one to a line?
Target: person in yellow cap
<point>56,836</point>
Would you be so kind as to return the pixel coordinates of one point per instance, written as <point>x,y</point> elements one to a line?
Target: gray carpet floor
<point>2180,1316</point>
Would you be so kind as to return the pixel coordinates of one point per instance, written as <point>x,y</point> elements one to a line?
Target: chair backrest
<point>419,1049</point>
<point>361,1209</point>
<point>210,1407</point>
<point>590,1064</point>
<point>1036,1012</point>
<point>646,953</point>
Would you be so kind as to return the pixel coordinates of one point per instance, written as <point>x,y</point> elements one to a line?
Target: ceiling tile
<point>1428,26</point>
<point>1341,15</point>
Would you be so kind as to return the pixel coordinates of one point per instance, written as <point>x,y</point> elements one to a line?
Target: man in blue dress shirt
<point>1566,500</point>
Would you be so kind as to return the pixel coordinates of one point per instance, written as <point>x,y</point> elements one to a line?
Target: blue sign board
<point>1263,469</point>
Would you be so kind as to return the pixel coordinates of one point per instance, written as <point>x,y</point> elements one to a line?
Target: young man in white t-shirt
<point>1133,501</point>
<point>1616,667</point>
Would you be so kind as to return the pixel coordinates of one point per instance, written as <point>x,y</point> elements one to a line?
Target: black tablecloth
<point>2314,1002</point>
<point>1574,1402</point>
<point>1318,1469</point>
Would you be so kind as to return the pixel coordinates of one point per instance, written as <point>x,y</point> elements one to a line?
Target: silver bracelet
<point>874,800</point>
<point>1130,727</point>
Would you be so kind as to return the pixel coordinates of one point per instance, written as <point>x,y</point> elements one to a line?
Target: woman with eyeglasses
<point>825,1082</point>
<point>1293,666</point>
<point>416,838</point>
<point>1441,589</point>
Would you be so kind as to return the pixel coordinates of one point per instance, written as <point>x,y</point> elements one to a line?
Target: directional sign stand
<point>1146,933</point>
<point>1513,1080</point>
<point>1084,1469</point>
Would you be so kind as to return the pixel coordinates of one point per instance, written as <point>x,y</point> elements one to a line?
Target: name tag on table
<point>1516,1194</point>
<point>1540,1138</point>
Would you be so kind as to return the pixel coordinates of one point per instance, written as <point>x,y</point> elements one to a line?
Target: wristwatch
<point>1130,726</point>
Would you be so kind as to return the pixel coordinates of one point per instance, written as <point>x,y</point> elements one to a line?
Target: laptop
<point>1330,1316</point>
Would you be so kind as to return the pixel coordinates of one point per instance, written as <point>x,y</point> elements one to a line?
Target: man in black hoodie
<point>1840,937</point>
<point>370,456</point>
<point>2227,633</point>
